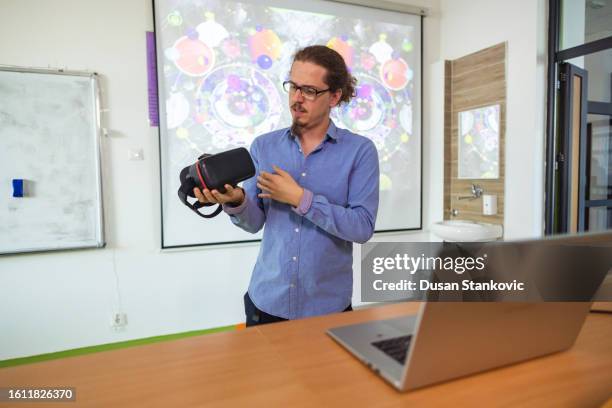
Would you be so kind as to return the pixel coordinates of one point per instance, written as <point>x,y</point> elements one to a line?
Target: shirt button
<point>292,285</point>
<point>303,174</point>
<point>295,258</point>
<point>297,230</point>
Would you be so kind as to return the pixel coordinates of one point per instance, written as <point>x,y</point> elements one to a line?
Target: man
<point>316,191</point>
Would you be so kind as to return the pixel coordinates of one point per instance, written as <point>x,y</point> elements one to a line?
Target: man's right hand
<point>232,196</point>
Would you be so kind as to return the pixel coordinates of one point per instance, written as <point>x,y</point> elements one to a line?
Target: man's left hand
<point>280,186</point>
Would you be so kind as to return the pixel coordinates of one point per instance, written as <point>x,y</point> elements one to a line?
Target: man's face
<point>308,114</point>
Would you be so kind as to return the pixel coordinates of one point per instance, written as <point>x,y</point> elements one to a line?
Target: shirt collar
<point>332,132</point>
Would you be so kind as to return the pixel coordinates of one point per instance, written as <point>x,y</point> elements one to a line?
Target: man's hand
<point>233,196</point>
<point>280,186</point>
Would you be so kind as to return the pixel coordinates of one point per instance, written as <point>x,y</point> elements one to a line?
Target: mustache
<point>298,106</point>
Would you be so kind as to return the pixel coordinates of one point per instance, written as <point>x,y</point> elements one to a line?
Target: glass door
<point>579,124</point>
<point>584,158</point>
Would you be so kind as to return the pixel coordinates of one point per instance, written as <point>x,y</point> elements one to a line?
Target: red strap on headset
<point>200,175</point>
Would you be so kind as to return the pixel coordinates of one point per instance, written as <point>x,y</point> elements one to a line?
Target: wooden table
<point>296,364</point>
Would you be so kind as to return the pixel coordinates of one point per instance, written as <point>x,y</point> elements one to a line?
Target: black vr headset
<point>213,172</point>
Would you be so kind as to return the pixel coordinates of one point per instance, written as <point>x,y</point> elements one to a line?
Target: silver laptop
<point>447,340</point>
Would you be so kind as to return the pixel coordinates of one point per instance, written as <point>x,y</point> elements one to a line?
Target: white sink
<point>466,231</point>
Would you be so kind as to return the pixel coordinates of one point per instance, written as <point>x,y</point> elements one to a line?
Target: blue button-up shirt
<point>305,262</point>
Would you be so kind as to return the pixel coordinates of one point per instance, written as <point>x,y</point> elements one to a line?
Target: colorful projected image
<point>479,143</point>
<point>221,65</point>
<point>217,94</point>
<point>235,103</point>
<point>224,63</point>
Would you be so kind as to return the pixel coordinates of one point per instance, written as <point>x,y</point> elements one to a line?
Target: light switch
<point>135,154</point>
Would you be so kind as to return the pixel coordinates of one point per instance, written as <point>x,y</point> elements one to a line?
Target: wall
<point>474,81</point>
<point>64,300</point>
<point>467,26</point>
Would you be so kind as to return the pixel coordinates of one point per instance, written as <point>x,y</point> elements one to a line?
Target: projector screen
<point>221,65</point>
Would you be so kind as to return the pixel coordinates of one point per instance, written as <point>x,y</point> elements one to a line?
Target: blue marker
<point>17,187</point>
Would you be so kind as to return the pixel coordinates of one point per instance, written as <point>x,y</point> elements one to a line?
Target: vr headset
<point>213,172</point>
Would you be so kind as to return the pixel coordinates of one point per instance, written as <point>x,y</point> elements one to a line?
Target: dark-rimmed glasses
<point>308,92</point>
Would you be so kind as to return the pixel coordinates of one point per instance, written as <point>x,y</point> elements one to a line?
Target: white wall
<point>58,301</point>
<point>64,300</point>
<point>467,26</point>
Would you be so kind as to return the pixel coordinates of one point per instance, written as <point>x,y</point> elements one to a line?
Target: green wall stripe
<point>110,346</point>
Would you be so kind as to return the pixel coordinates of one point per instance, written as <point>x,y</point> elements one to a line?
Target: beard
<point>297,128</point>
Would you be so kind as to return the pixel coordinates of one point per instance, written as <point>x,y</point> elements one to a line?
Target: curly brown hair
<point>338,76</point>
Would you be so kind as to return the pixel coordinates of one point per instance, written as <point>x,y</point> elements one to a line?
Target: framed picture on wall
<point>478,143</point>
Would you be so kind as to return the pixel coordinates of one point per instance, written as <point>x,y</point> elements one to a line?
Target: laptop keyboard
<point>396,347</point>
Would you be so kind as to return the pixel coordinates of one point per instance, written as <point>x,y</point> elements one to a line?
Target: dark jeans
<point>254,316</point>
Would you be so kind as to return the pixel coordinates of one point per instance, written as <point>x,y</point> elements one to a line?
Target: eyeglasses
<point>308,92</point>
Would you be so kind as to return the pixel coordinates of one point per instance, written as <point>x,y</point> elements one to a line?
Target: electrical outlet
<point>119,320</point>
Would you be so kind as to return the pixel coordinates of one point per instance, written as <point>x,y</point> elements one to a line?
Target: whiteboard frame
<point>93,76</point>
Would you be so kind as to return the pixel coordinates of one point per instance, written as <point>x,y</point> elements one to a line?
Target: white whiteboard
<point>50,138</point>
